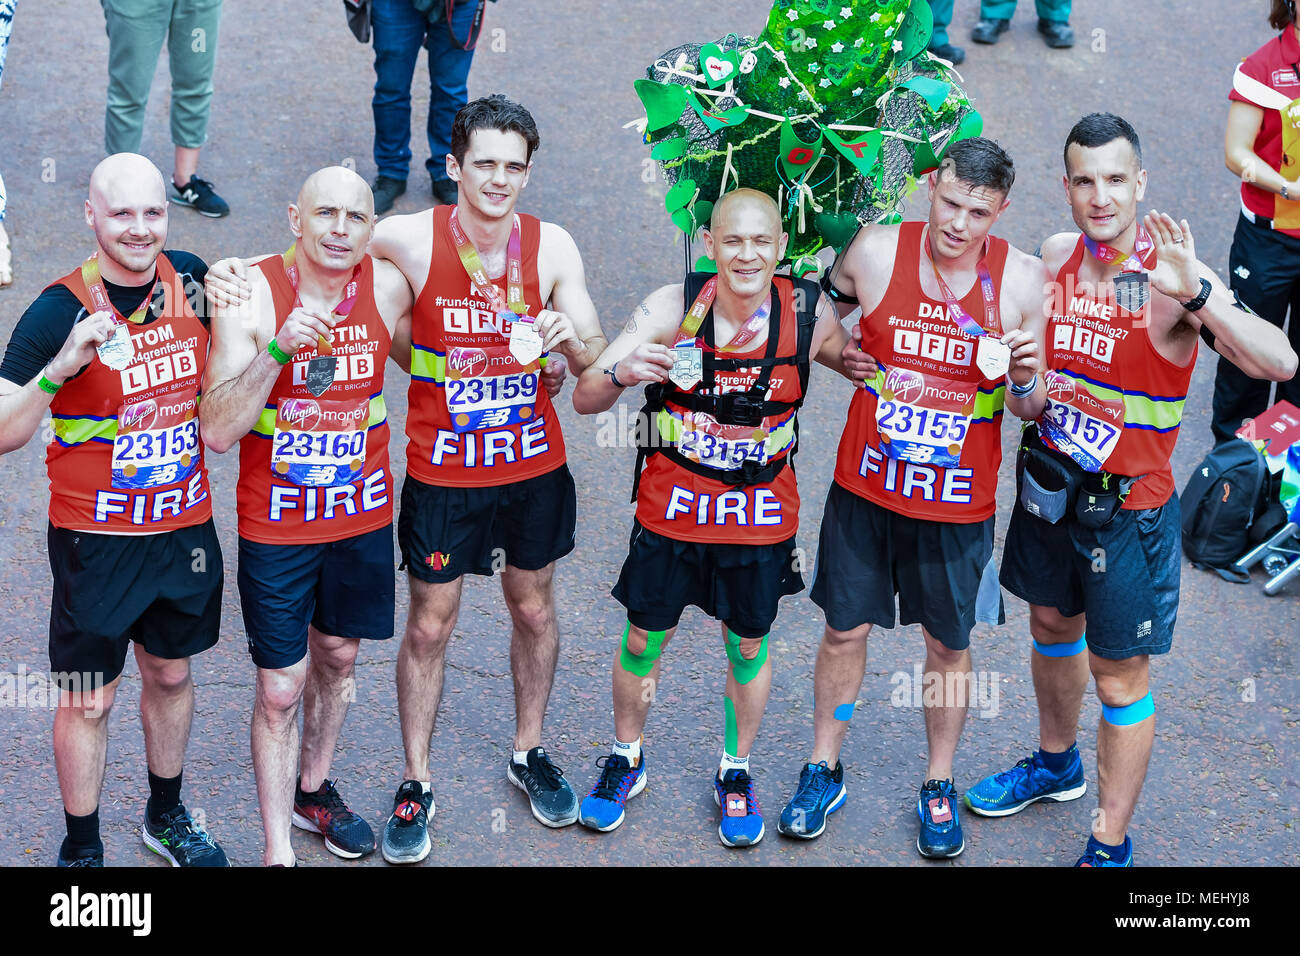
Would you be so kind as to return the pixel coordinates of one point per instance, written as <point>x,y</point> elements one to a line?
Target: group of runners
<point>487,309</point>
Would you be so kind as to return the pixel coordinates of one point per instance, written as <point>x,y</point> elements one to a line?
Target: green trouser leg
<point>192,54</point>
<point>942,10</point>
<point>1004,9</point>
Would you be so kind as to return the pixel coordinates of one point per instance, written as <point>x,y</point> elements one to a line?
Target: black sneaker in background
<point>445,192</point>
<point>324,812</point>
<point>1056,34</point>
<point>386,190</point>
<point>987,30</point>
<point>552,799</point>
<point>406,834</point>
<point>199,194</point>
<point>181,841</point>
<point>950,52</point>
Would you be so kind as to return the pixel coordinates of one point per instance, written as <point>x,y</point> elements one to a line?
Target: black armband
<point>829,288</point>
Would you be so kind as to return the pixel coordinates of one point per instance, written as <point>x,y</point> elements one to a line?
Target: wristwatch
<point>1195,304</point>
<point>1285,194</point>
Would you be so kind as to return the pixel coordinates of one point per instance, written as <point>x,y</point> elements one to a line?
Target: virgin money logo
<point>1060,388</point>
<point>467,362</point>
<point>906,385</point>
<point>300,413</point>
<point>138,417</point>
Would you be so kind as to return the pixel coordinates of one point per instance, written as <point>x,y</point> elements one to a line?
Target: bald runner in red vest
<point>950,313</point>
<point>1094,538</point>
<point>296,379</point>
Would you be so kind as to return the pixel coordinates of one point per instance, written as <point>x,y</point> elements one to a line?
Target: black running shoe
<point>181,841</point>
<point>93,858</point>
<point>406,834</point>
<point>324,812</point>
<point>552,799</point>
<point>386,190</point>
<point>199,194</point>
<point>445,192</point>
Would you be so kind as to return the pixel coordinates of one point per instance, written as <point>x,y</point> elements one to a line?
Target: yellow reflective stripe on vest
<point>1139,410</point>
<point>987,404</point>
<point>76,431</point>
<point>265,425</point>
<point>670,432</point>
<point>425,364</point>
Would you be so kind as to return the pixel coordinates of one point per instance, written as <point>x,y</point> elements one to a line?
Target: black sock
<point>83,835</point>
<point>164,795</point>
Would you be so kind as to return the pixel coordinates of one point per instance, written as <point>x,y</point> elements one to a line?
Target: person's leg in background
<point>995,20</point>
<point>449,65</point>
<point>136,29</point>
<point>192,54</point>
<point>1054,23</point>
<point>940,45</point>
<point>398,33</point>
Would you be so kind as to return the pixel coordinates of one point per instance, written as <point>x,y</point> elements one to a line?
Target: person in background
<point>1053,21</point>
<point>1264,262</point>
<point>940,46</point>
<point>449,30</point>
<point>7,8</point>
<point>136,31</point>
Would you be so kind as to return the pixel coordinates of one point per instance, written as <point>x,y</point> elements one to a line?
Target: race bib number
<point>724,447</point>
<point>923,418</point>
<point>157,442</point>
<point>320,444</point>
<point>1079,424</point>
<point>487,388</point>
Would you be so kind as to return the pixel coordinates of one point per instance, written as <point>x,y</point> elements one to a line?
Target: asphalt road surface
<point>293,92</point>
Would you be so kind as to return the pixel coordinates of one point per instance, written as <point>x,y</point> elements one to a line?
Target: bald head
<point>127,209</point>
<point>729,207</point>
<point>337,186</point>
<point>126,179</point>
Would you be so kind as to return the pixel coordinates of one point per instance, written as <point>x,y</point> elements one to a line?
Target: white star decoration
<point>825,82</point>
<point>836,47</point>
<point>858,91</point>
<point>792,15</point>
<point>828,25</point>
<point>813,67</point>
<point>784,82</point>
<point>810,43</point>
<point>858,42</point>
<point>875,18</point>
<point>846,12</point>
<point>897,46</point>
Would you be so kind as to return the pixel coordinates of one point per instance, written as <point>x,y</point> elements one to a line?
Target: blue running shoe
<point>602,809</point>
<point>742,818</point>
<point>1010,791</point>
<point>1097,854</point>
<point>940,835</point>
<point>821,792</point>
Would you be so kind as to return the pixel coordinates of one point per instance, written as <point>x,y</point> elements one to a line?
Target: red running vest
<point>928,366</point>
<point>315,469</point>
<point>460,353</point>
<point>126,455</point>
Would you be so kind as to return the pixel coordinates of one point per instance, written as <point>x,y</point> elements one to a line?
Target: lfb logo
<point>905,385</point>
<point>1060,388</point>
<point>138,417</point>
<point>300,413</point>
<point>466,363</point>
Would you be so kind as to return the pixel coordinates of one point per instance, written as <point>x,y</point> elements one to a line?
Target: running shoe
<point>94,858</point>
<point>1010,791</point>
<point>940,835</point>
<point>602,809</point>
<point>386,189</point>
<point>553,801</point>
<point>324,812</point>
<point>821,792</point>
<point>406,834</point>
<point>445,192</point>
<point>1096,854</point>
<point>199,194</point>
<point>181,841</point>
<point>742,818</point>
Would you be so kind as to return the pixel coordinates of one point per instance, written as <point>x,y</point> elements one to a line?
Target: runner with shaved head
<point>296,378</point>
<point>717,503</point>
<point>114,353</point>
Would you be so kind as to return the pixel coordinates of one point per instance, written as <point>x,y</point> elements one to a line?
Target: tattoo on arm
<point>631,326</point>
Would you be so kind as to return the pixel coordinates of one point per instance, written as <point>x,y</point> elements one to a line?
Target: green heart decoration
<point>933,91</point>
<point>821,6</point>
<point>718,65</point>
<point>669,149</point>
<point>715,119</point>
<point>971,125</point>
<point>925,161</point>
<point>836,228</point>
<point>663,102</point>
<point>836,72</point>
<point>682,192</point>
<point>690,220</point>
<point>916,29</point>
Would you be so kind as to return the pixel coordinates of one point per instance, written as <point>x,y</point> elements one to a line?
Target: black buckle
<point>740,408</point>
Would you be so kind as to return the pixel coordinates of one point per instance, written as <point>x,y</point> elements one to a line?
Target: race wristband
<point>274,350</point>
<point>614,378</point>
<point>46,385</point>
<point>1020,391</point>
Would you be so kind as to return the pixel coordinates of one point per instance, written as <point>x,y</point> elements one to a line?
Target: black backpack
<point>1227,506</point>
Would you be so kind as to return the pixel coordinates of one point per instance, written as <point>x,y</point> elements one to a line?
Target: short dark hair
<point>1098,129</point>
<point>492,112</point>
<point>1282,15</point>
<point>980,162</point>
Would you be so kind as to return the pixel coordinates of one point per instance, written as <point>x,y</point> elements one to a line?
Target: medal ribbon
<point>688,331</point>
<point>99,295</point>
<point>342,310</point>
<point>1139,260</point>
<point>473,264</point>
<point>964,320</point>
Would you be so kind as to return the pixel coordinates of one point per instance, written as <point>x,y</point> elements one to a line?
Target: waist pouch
<point>1050,485</point>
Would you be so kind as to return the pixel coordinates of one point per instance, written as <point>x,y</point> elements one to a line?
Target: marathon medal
<point>1132,291</point>
<point>992,357</point>
<point>525,342</point>
<point>320,374</point>
<point>320,370</point>
<point>117,350</point>
<point>688,366</point>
